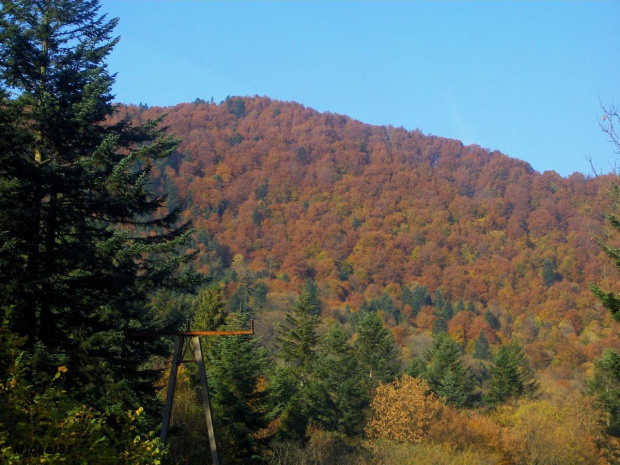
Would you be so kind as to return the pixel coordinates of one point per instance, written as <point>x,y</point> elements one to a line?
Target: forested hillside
<point>416,301</point>
<point>370,214</point>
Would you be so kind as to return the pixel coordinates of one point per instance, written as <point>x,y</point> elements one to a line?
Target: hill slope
<point>368,211</point>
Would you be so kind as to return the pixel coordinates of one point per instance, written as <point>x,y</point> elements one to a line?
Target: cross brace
<point>177,359</point>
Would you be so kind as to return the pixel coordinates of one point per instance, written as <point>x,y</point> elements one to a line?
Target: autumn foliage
<point>403,410</point>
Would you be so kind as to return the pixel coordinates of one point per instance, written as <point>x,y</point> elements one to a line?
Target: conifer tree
<point>440,325</point>
<point>341,390</point>
<point>296,344</point>
<point>376,348</point>
<point>78,264</point>
<point>236,365</point>
<point>482,350</point>
<point>448,310</point>
<point>297,337</point>
<point>610,299</point>
<point>416,299</point>
<point>416,368</point>
<point>314,300</point>
<point>511,377</point>
<point>605,386</point>
<point>446,374</point>
<point>491,320</point>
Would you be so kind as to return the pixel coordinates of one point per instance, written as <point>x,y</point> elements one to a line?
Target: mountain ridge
<point>370,210</point>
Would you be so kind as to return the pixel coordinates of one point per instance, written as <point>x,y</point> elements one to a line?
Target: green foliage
<point>611,300</point>
<point>448,310</point>
<point>376,348</point>
<point>491,320</point>
<point>482,350</point>
<point>41,423</point>
<point>549,274</point>
<point>416,299</point>
<point>209,312</point>
<point>297,337</point>
<point>314,300</point>
<point>440,325</point>
<point>340,392</point>
<point>511,377</point>
<point>236,366</point>
<point>383,303</point>
<point>236,106</point>
<point>605,387</point>
<point>446,374</point>
<point>416,368</point>
<point>91,242</point>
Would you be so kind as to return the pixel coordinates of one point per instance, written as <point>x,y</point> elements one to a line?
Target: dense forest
<point>372,214</point>
<point>415,300</point>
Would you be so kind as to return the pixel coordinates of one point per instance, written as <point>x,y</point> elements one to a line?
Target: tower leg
<point>205,399</point>
<point>172,381</point>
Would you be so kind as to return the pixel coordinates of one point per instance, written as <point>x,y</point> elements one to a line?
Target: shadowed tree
<point>85,242</point>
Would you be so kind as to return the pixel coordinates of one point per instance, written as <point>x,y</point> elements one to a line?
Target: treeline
<point>331,393</point>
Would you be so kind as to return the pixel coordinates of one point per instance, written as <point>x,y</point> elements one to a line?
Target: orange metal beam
<point>212,333</point>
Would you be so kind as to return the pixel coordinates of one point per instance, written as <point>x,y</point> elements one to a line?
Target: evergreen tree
<point>297,337</point>
<point>209,312</point>
<point>448,310</point>
<point>460,305</point>
<point>376,348</point>
<point>416,299</point>
<point>471,307</point>
<point>416,368</point>
<point>610,299</point>
<point>549,274</point>
<point>482,350</point>
<point>445,372</point>
<point>340,392</point>
<point>314,296</point>
<point>236,365</point>
<point>438,301</point>
<point>511,377</point>
<point>440,325</point>
<point>491,320</point>
<point>79,263</point>
<point>605,386</point>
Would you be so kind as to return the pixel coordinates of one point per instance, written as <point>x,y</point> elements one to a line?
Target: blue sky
<point>524,78</point>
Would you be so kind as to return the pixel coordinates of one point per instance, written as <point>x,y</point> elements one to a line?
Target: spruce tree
<point>605,387</point>
<point>491,320</point>
<point>610,299</point>
<point>440,325</point>
<point>340,391</point>
<point>511,377</point>
<point>78,264</point>
<point>236,365</point>
<point>482,350</point>
<point>446,374</point>
<point>297,338</point>
<point>376,348</point>
<point>296,344</point>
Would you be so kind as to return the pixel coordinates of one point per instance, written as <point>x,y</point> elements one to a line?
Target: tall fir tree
<point>340,390</point>
<point>78,265</point>
<point>605,387</point>
<point>446,374</point>
<point>297,338</point>
<point>376,348</point>
<point>482,349</point>
<point>236,365</point>
<point>296,344</point>
<point>610,299</point>
<point>511,377</point>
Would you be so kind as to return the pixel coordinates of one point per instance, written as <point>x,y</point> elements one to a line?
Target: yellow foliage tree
<point>403,410</point>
